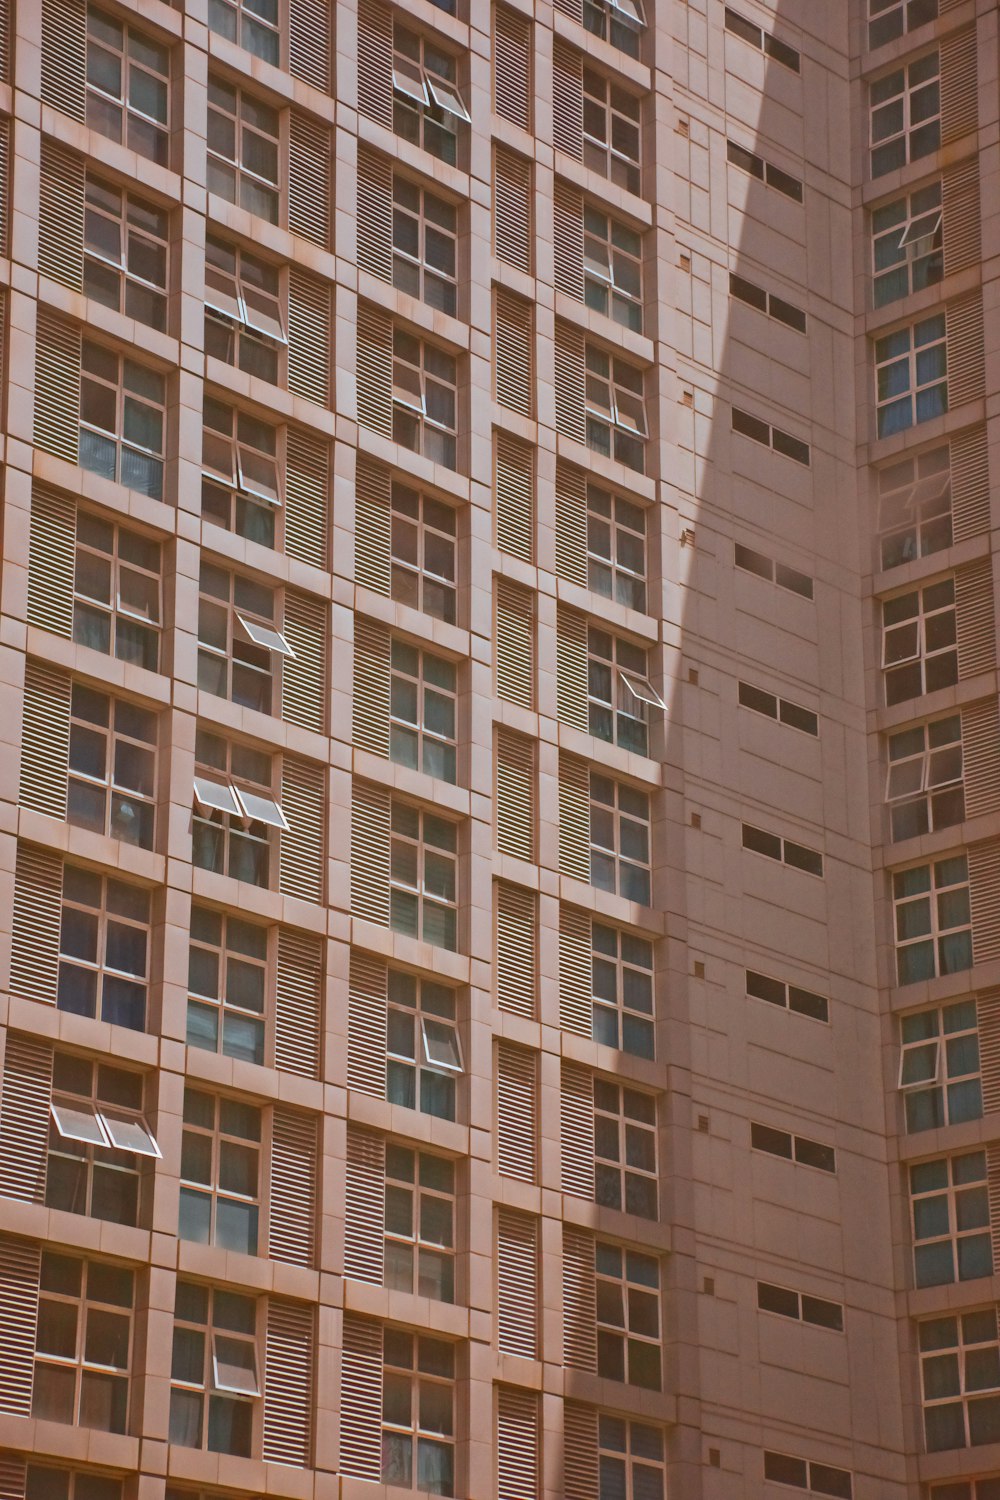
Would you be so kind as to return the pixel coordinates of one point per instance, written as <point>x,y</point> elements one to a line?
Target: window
<point>611,125</point>
<point>424,398</point>
<point>623,990</point>
<point>83,1345</point>
<point>422,708</point>
<point>967,1489</point>
<point>630,1460</point>
<point>628,1316</point>
<point>818,1479</point>
<point>424,244</point>
<point>122,415</point>
<point>619,22</point>
<point>911,366</point>
<point>960,1372</point>
<point>794,1148</point>
<point>616,548</point>
<point>763,41</point>
<point>243,134</point>
<point>619,691</point>
<point>239,646</point>
<point>889,18</point>
<point>905,114</point>
<point>220,1172</point>
<point>765,567</point>
<point>770,437</point>
<point>616,409</point>
<point>424,876</point>
<point>619,839</point>
<point>625,1149</point>
<point>612,269</point>
<point>907,245</point>
<point>782,709</point>
<point>789,996</point>
<point>117,607</point>
<point>919,652</point>
<point>418,1413</point>
<point>798,856</point>
<point>427,106</point>
<point>98,1139</point>
<point>419,1223</point>
<point>214,1356</point>
<point>45,1483</point>
<point>767,303</point>
<point>924,785</point>
<point>244,310</point>
<point>125,253</point>
<point>764,171</point>
<point>932,919</point>
<point>227,984</point>
<point>128,86</point>
<point>798,1305</point>
<point>914,507</point>
<point>104,948</point>
<point>241,488</point>
<point>949,1202</point>
<point>424,564</point>
<point>424,1050</point>
<point>112,767</point>
<point>233,817</point>
<point>251,24</point>
<point>939,1066</point>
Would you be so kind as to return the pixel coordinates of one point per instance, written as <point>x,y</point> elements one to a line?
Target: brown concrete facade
<point>500,921</point>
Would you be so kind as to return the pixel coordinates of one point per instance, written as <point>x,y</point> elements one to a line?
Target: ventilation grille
<point>51,561</point>
<point>567,101</point>
<point>57,387</point>
<point>514,486</point>
<point>570,383</point>
<point>516,949</point>
<point>576,1096</point>
<point>370,853</point>
<point>374,223</point>
<point>375,371</point>
<point>309,37</point>
<point>371,686</point>
<point>45,739</point>
<point>34,958</point>
<point>516,1085</point>
<point>64,51</point>
<point>364,1206</point>
<point>361,1399</point>
<point>24,1118</point>
<point>515,663</point>
<point>301,847</point>
<point>307,483</point>
<point>517,1283</point>
<point>367,1025</point>
<point>574,818</point>
<point>514,352</point>
<point>310,326</point>
<point>372,566</point>
<point>512,215</point>
<point>292,1222</point>
<point>575,972</point>
<point>20,1269</point>
<point>289,1358</point>
<point>304,675</point>
<point>567,240</point>
<point>515,795</point>
<point>579,1300</point>
<point>309,148</point>
<point>298,1003</point>
<point>512,92</point>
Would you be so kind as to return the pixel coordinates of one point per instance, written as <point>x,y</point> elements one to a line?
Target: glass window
<point>890,18</point>
<point>117,606</point>
<point>236,817</point>
<point>424,1049</point>
<point>960,1380</point>
<point>228,984</point>
<point>243,149</point>
<point>45,1482</point>
<point>104,948</point>
<point>620,859</point>
<point>220,1172</point>
<point>424,875</point>
<point>419,1223</point>
<point>251,24</point>
<point>914,507</point>
<point>611,131</point>
<point>122,419</point>
<point>424,398</point>
<point>628,1316</point>
<point>919,636</point>
<point>788,996</point>
<point>616,548</point>
<point>245,318</point>
<point>939,1066</point>
<point>907,248</point>
<point>424,245</point>
<point>933,919</point>
<point>623,990</point>
<point>911,368</point>
<point>949,1205</point>
<point>112,767</point>
<point>418,1413</point>
<point>427,107</point>
<point>612,269</point>
<point>619,22</point>
<point>83,1343</point>
<point>625,1149</point>
<point>128,86</point>
<point>424,553</point>
<point>905,114</point>
<point>422,711</point>
<point>125,248</point>
<point>98,1140</point>
<point>619,691</point>
<point>214,1378</point>
<point>630,1457</point>
<point>924,784</point>
<point>615,409</point>
<point>240,648</point>
<point>242,472</point>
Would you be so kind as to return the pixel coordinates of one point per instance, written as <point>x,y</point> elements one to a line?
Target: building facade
<point>500,931</point>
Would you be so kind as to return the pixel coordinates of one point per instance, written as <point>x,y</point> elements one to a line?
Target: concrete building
<point>500,908</point>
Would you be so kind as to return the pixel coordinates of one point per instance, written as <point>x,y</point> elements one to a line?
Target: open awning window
<point>94,1127</point>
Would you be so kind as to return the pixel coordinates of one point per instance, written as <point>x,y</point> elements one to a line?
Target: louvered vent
<point>57,386</point>
<point>517,1444</point>
<point>580,1471</point>
<point>307,486</point>
<point>970,484</point>
<point>574,818</point>
<point>512,91</point>
<point>371,686</point>
<point>515,644</point>
<point>45,739</point>
<point>984,891</point>
<point>966,350</point>
<point>367,1025</point>
<point>516,949</point>
<point>64,56</point>
<point>571,524</point>
<point>361,1399</point>
<point>981,757</point>
<point>309,160</point>
<point>294,1159</point>
<point>60,215</point>
<point>374,223</point>
<point>5,165</point>
<point>575,972</point>
<point>375,64</point>
<point>310,337</point>
<point>289,1360</point>
<point>374,393</point>
<point>302,843</point>
<point>959,85</point>
<point>364,1206</point>
<point>579,1300</point>
<point>370,853</point>
<point>372,526</point>
<point>567,101</point>
<point>514,803</point>
<point>517,1283</point>
<point>512,209</point>
<point>310,34</point>
<point>576,1104</point>
<point>34,958</point>
<point>20,1268</point>
<point>975,618</point>
<point>513,352</point>
<point>988,1020</point>
<point>51,561</point>
<point>570,376</point>
<point>298,1002</point>
<point>571,668</point>
<point>993,1188</point>
<point>304,675</point>
<point>962,216</point>
<point>517,1112</point>
<point>514,496</point>
<point>567,239</point>
<point>13,1468</point>
<point>24,1118</point>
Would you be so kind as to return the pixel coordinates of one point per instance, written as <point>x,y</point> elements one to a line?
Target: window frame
<point>425,900</point>
<point>625,583</point>
<point>628,1019</point>
<point>119,799</point>
<point>924,786</point>
<point>86,1369</point>
<point>882,159</point>
<point>434,1079</point>
<point>620,23</point>
<point>935,649</point>
<point>247,181</point>
<point>415,384</point>
<point>941,1080</point>
<point>417,1375</point>
<point>627,1460</point>
<point>967,1389</point>
<point>629,693</point>
<point>426,97</point>
<point>619,296</point>
<point>782,850</point>
<point>157,292</point>
<point>427,226</point>
<point>911,14</point>
<point>223,1142</point>
<point>249,20</point>
<point>139,130</point>
<point>832,1316</point>
<point>615,407</point>
<point>247,650</point>
<point>421,1249</point>
<point>958,1231</point>
<point>621,1177</point>
<point>793,998</point>
<point>633,1294</point>
<point>104,922</point>
<point>119,616</point>
<point>230,960</point>
<point>604,139</point>
<point>252,317</point>
<point>237,798</point>
<point>629,867</point>
<point>429,745</point>
<point>88,1143</point>
<point>913,522</point>
<point>94,381</point>
<point>910,404</point>
<point>936,930</point>
<point>426,535</point>
<point>919,213</point>
<point>210,1329</point>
